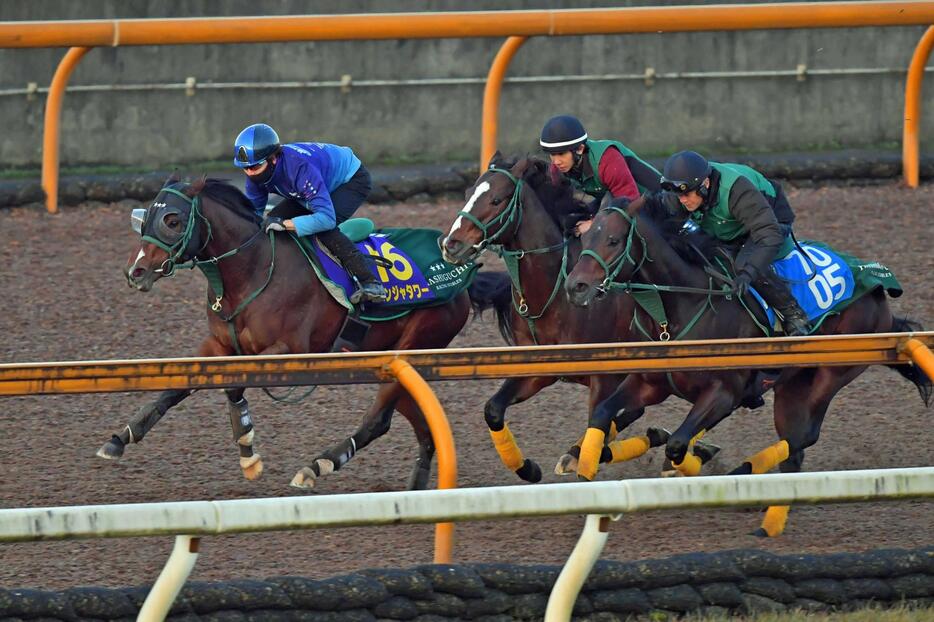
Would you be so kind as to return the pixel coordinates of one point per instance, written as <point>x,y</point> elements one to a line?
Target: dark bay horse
<point>640,243</point>
<point>265,299</point>
<point>515,209</point>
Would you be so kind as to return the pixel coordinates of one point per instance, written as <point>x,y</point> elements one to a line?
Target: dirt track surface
<point>63,297</point>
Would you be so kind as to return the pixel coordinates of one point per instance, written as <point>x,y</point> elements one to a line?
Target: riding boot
<point>353,261</point>
<point>776,293</point>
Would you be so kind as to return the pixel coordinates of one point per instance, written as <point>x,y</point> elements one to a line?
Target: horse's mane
<point>686,244</point>
<point>228,195</point>
<point>553,189</point>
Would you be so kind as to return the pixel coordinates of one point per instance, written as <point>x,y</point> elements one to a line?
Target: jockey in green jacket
<point>596,167</point>
<point>736,203</point>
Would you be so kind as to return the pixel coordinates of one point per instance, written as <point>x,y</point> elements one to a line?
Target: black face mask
<point>266,175</point>
<point>168,207</point>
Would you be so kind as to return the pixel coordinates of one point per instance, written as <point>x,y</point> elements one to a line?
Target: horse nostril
<point>137,272</point>
<point>453,245</point>
<point>580,287</point>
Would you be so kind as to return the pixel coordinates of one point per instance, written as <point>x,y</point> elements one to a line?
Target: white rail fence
<point>601,501</point>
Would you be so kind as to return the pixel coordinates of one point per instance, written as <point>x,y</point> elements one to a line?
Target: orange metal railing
<point>518,24</point>
<point>412,367</point>
<point>910,161</point>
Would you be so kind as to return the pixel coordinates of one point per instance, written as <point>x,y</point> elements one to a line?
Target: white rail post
<point>585,554</point>
<point>171,579</point>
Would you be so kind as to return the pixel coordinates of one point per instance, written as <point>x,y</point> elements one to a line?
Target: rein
<point>647,295</point>
<point>513,213</point>
<point>209,266</point>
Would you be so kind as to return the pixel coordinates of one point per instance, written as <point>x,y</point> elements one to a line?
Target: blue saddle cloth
<point>824,281</point>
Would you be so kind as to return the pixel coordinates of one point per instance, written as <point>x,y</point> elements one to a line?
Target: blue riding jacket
<point>307,173</point>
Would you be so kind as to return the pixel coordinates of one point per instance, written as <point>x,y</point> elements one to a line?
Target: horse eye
<point>171,220</point>
<point>496,201</point>
<point>612,241</point>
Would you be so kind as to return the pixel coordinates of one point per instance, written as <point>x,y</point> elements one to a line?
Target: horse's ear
<point>522,167</point>
<point>197,186</point>
<point>635,206</point>
<point>496,160</point>
<point>173,178</point>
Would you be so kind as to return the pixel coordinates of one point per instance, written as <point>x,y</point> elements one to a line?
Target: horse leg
<point>241,424</point>
<point>375,423</point>
<point>622,407</point>
<point>711,406</point>
<point>140,423</point>
<point>421,471</point>
<point>801,403</point>
<point>513,391</point>
<point>601,387</point>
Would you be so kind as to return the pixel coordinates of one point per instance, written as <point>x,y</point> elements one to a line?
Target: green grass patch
<point>871,614</point>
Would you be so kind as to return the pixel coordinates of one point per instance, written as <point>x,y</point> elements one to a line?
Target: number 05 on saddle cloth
<point>411,268</point>
<point>825,282</point>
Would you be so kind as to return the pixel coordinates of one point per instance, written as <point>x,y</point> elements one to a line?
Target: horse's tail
<point>909,371</point>
<point>493,290</point>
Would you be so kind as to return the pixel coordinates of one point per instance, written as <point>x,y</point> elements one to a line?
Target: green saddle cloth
<point>412,269</point>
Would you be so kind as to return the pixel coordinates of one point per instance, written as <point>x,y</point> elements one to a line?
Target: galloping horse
<point>265,299</point>
<point>640,243</point>
<point>515,210</point>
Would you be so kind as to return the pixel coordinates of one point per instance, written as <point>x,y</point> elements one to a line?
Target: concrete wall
<point>436,123</point>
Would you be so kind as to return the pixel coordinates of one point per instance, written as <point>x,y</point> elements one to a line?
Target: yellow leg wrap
<point>690,466</point>
<point>775,518</point>
<point>591,448</point>
<point>769,458</point>
<point>629,448</point>
<point>507,449</point>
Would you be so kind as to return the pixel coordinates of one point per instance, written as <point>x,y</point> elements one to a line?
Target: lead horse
<point>264,298</point>
<point>638,245</point>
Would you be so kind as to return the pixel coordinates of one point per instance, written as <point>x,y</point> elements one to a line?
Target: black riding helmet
<point>685,171</point>
<point>562,133</point>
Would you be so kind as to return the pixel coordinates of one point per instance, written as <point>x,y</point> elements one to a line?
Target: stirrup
<point>370,292</point>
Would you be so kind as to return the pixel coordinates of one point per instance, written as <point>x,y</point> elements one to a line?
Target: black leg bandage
<point>242,425</point>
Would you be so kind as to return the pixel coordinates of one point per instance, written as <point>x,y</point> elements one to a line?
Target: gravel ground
<point>64,298</point>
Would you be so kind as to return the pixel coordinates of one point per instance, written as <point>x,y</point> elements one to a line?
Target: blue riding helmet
<point>254,144</point>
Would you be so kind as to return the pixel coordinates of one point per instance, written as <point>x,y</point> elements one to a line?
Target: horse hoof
<point>669,470</point>
<point>254,471</point>
<point>110,451</point>
<point>567,465</point>
<point>760,533</point>
<point>706,451</point>
<point>530,472</point>
<point>657,436</point>
<point>304,479</point>
<point>325,466</point>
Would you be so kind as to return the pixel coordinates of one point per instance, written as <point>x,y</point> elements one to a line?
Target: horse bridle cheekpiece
<point>151,224</point>
<point>512,213</point>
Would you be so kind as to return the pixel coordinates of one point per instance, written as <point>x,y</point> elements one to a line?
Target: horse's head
<point>170,233</point>
<point>492,212</point>
<point>607,254</point>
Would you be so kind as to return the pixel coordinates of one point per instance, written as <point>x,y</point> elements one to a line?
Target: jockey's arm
<point>645,175</point>
<point>614,173</point>
<point>321,218</point>
<point>750,207</point>
<point>313,194</point>
<point>258,196</point>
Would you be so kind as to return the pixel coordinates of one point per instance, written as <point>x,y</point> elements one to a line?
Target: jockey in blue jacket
<point>323,185</point>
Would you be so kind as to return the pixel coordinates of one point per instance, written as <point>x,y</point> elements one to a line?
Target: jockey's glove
<point>741,283</point>
<point>272,223</point>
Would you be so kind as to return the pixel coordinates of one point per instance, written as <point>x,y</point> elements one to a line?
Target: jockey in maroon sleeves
<point>596,167</point>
